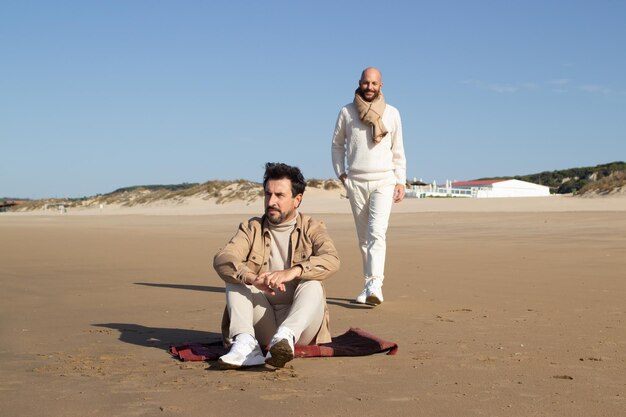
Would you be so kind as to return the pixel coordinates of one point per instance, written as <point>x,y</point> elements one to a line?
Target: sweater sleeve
<point>397,148</point>
<point>339,144</point>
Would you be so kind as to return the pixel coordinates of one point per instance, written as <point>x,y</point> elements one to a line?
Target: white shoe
<point>374,293</point>
<point>281,348</point>
<point>245,351</point>
<point>362,298</point>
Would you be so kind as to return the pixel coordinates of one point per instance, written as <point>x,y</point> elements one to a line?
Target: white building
<point>502,188</point>
<point>477,189</point>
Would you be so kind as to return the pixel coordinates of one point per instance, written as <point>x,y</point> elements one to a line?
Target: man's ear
<point>298,199</point>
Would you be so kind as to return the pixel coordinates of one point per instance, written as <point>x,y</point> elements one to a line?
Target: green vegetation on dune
<point>155,187</point>
<point>612,183</point>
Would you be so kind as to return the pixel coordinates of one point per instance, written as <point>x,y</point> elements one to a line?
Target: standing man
<point>368,157</point>
<point>273,268</point>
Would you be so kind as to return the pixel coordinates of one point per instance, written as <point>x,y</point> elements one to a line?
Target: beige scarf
<point>371,113</point>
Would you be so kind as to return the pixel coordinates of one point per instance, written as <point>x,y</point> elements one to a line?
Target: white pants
<point>251,311</point>
<point>371,203</point>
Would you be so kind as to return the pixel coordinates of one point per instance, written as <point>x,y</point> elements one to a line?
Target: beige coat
<point>249,251</point>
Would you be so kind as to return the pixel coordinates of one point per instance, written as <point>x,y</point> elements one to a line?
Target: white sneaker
<point>374,293</point>
<point>281,348</point>
<point>362,298</point>
<point>245,351</point>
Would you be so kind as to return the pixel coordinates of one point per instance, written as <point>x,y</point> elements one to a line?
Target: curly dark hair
<point>278,171</point>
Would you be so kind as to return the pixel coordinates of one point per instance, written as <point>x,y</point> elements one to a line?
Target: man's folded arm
<point>324,261</point>
<point>229,262</point>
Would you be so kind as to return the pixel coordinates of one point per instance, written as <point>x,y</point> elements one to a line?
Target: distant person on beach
<point>273,268</point>
<point>368,157</point>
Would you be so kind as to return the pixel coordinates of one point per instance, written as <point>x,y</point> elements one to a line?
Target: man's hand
<point>398,193</point>
<point>254,280</point>
<point>270,281</point>
<point>266,288</point>
<point>343,177</point>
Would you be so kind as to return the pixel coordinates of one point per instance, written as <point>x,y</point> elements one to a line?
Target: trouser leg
<point>380,204</point>
<point>359,203</point>
<point>307,312</point>
<point>250,312</point>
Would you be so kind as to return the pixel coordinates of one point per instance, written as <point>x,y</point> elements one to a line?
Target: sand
<point>503,307</point>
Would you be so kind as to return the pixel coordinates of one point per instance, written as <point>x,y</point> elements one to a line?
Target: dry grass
<point>611,184</point>
<point>52,203</point>
<point>332,185</point>
<point>221,191</point>
<point>324,184</point>
<point>246,191</point>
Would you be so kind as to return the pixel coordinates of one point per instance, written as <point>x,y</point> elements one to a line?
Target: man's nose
<point>272,200</point>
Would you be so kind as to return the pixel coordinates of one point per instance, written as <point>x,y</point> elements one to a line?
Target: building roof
<point>474,183</point>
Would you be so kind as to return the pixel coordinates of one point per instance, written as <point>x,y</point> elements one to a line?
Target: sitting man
<point>272,268</point>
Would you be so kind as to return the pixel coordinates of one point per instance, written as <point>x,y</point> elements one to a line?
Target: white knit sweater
<point>355,153</point>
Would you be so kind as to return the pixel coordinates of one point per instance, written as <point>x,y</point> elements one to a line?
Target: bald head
<point>370,72</point>
<point>370,84</point>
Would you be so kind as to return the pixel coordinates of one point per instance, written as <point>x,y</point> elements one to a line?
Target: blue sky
<point>97,95</point>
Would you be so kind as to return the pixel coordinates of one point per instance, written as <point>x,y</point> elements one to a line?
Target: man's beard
<point>362,94</point>
<point>279,215</point>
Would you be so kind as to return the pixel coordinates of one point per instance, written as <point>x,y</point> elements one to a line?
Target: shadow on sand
<point>348,303</point>
<point>341,302</point>
<point>159,337</point>
<point>163,338</point>
<point>183,287</point>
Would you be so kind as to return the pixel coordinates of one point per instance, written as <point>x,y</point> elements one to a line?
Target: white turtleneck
<point>280,251</point>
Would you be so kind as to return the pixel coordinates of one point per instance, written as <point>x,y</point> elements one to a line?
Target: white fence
<point>424,191</point>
